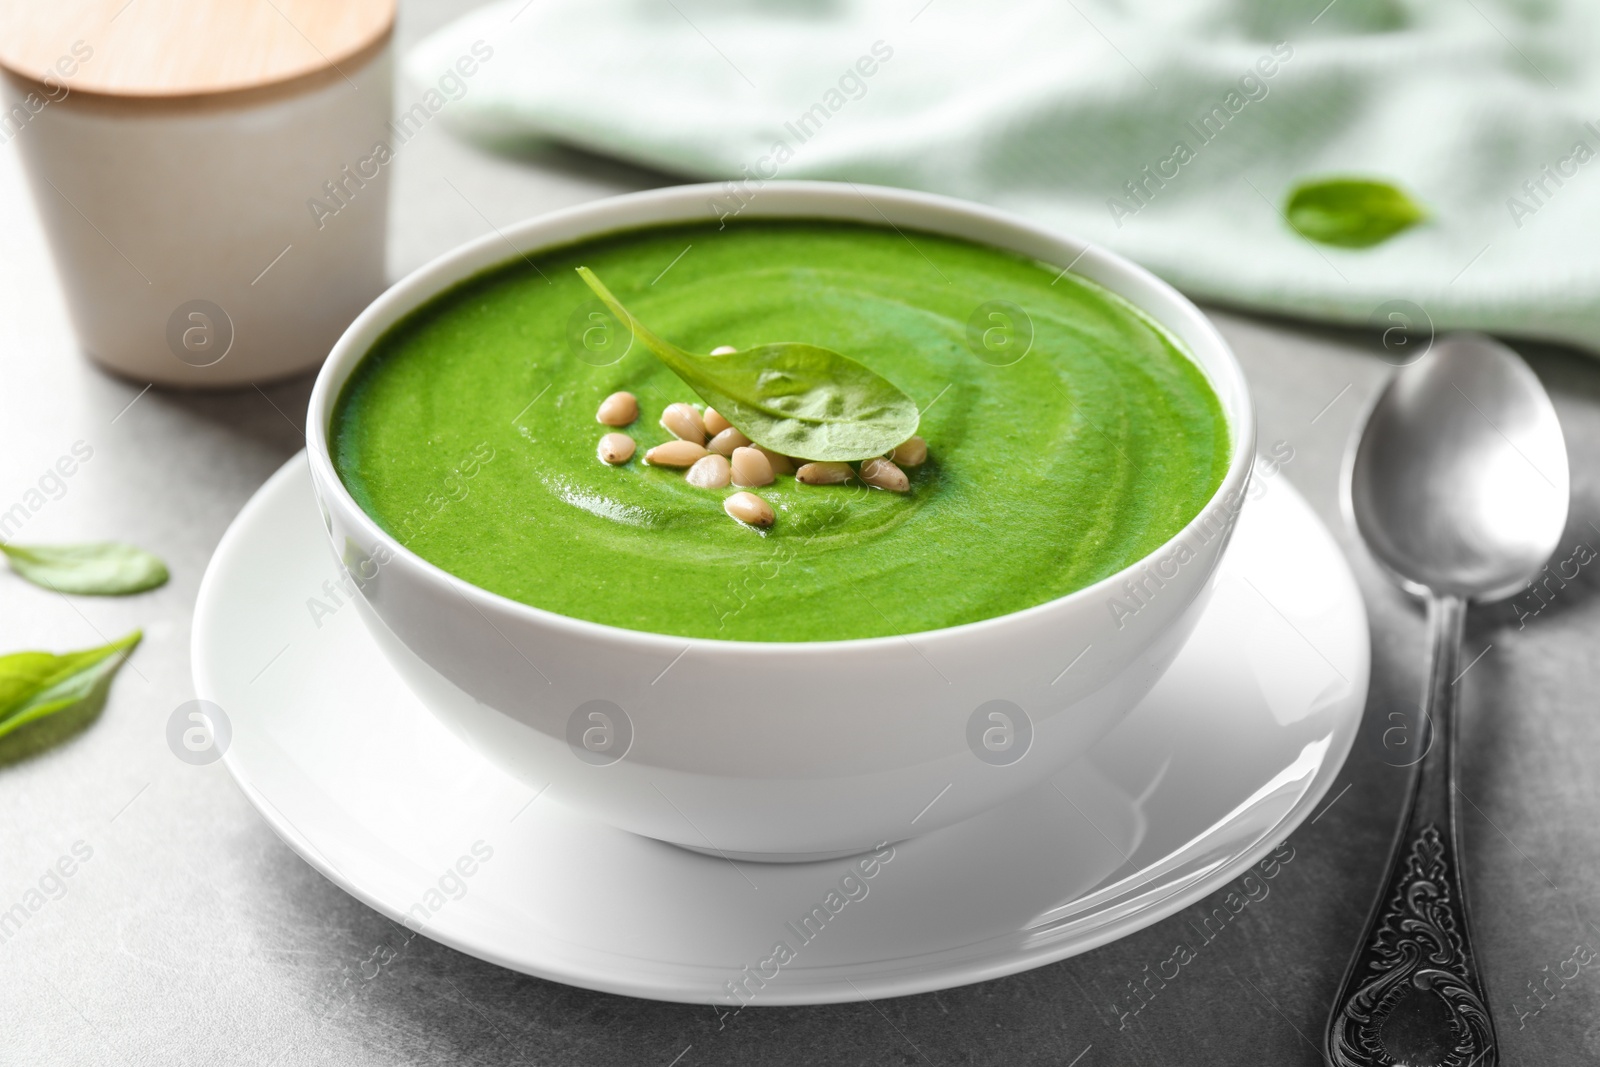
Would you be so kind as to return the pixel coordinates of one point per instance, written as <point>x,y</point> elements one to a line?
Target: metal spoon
<point>1458,485</point>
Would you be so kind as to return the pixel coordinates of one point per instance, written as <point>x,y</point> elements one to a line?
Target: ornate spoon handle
<point>1412,993</point>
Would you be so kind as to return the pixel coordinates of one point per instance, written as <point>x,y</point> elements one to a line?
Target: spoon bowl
<point>1459,484</point>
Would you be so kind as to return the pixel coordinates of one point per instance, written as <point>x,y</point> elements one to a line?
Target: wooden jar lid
<point>165,49</point>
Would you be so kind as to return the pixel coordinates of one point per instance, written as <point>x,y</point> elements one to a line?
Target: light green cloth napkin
<point>1072,114</point>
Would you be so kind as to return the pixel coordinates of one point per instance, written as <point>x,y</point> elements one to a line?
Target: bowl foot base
<point>777,857</point>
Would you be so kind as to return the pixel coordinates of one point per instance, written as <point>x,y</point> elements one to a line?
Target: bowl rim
<point>687,203</point>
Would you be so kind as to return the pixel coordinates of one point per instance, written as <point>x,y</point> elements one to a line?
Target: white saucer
<point>1227,755</point>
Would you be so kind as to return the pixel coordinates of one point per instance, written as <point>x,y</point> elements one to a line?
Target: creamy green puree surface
<point>469,434</point>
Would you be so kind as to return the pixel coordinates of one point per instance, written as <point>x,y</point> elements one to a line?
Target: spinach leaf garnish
<point>791,397</point>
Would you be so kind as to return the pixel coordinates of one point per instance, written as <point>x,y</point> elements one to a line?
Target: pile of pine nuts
<point>714,455</point>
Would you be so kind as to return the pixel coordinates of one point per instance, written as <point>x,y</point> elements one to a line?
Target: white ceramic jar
<point>783,751</point>
<point>177,154</point>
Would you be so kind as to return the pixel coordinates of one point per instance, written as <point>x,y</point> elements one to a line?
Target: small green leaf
<point>105,568</point>
<point>36,684</point>
<point>1351,212</point>
<point>797,399</point>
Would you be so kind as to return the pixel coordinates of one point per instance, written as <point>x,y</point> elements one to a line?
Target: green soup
<point>469,434</point>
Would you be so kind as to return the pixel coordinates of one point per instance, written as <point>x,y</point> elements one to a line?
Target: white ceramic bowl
<point>783,751</point>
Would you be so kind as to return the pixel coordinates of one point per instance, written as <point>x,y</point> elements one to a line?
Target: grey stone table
<point>191,934</point>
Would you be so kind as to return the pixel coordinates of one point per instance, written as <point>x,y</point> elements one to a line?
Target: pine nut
<point>883,474</point>
<point>675,454</point>
<point>715,423</point>
<point>781,464</point>
<point>749,508</point>
<point>750,467</point>
<point>725,442</point>
<point>709,472</point>
<point>684,423</point>
<point>616,448</point>
<point>823,473</point>
<point>618,409</point>
<point>723,350</point>
<point>913,453</point>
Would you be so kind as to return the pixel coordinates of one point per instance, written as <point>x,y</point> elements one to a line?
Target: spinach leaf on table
<point>34,685</point>
<point>103,568</point>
